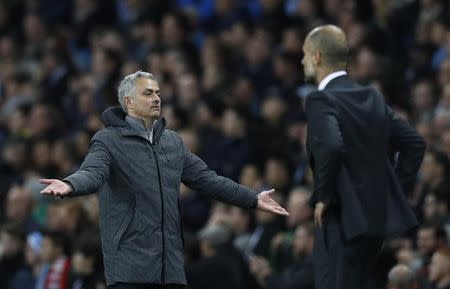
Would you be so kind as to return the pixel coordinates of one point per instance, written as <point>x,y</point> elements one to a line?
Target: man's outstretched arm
<point>199,177</point>
<point>91,175</point>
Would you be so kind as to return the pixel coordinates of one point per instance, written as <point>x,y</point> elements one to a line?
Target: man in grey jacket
<point>137,165</point>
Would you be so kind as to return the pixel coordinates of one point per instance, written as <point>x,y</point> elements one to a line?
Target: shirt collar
<point>330,77</point>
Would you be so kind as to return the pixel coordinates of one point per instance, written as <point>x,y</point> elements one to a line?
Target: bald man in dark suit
<point>353,136</point>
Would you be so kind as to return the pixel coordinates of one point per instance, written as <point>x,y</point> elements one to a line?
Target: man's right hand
<point>55,187</point>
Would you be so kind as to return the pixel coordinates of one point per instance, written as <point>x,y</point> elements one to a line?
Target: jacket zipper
<point>163,273</point>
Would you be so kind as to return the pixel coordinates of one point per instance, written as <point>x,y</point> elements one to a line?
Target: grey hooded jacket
<point>138,184</point>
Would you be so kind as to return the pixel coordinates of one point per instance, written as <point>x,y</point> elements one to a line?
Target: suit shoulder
<point>317,97</point>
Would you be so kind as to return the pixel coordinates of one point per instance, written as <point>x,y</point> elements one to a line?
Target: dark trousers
<point>144,286</point>
<point>340,264</point>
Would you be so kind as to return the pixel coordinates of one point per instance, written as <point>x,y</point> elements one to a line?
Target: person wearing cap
<point>137,166</point>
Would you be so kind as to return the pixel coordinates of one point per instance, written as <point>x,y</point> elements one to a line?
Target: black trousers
<point>340,264</point>
<point>144,286</point>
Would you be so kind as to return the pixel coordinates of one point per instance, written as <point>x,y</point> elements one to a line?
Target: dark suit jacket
<point>353,137</point>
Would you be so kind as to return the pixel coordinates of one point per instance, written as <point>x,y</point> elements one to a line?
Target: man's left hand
<point>267,204</point>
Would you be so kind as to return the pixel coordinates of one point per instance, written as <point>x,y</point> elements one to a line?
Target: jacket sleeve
<point>93,171</point>
<point>197,176</point>
<point>409,145</point>
<point>325,144</point>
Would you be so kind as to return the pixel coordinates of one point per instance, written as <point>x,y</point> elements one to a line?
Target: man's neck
<point>322,73</point>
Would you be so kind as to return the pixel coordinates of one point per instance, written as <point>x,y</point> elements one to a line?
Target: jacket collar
<point>341,82</point>
<point>329,78</point>
<point>115,117</point>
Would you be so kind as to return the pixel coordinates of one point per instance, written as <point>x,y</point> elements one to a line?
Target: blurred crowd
<point>232,86</point>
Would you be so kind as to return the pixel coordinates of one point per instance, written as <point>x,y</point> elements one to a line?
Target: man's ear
<point>317,57</point>
<point>128,102</point>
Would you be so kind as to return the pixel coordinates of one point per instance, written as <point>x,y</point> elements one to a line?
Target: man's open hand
<point>55,187</point>
<point>267,204</point>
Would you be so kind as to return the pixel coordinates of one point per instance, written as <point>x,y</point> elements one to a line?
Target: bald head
<point>401,277</point>
<point>331,42</point>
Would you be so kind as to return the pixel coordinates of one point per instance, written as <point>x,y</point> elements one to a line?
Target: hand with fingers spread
<point>267,204</point>
<point>55,187</point>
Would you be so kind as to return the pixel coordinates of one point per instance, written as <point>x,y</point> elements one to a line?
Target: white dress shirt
<point>330,77</point>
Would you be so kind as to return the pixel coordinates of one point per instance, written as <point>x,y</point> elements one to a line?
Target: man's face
<point>439,267</point>
<point>145,103</point>
<point>309,68</point>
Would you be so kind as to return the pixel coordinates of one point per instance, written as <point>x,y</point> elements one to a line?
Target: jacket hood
<point>114,116</point>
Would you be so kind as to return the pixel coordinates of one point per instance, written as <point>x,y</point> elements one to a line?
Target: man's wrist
<point>72,189</point>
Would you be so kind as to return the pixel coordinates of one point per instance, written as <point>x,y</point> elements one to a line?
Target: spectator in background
<point>276,174</point>
<point>12,244</point>
<point>423,99</point>
<point>440,269</point>
<point>429,238</point>
<point>18,208</point>
<point>298,275</point>
<point>85,273</point>
<point>434,174</point>
<point>300,213</point>
<point>251,177</point>
<point>233,151</point>
<point>219,265</point>
<point>26,277</point>
<point>266,227</point>
<point>56,257</point>
<point>299,210</point>
<point>436,207</point>
<point>401,277</point>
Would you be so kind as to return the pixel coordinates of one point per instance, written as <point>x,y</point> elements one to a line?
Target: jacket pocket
<point>180,212</point>
<point>124,226</point>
